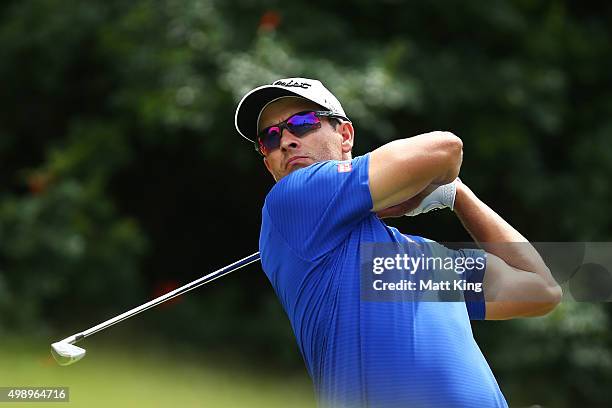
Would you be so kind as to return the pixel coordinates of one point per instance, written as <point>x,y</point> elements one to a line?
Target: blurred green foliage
<point>122,175</point>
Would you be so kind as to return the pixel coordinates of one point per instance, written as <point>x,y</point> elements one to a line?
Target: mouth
<point>295,160</point>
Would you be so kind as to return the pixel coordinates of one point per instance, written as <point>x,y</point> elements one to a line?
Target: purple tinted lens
<point>271,139</point>
<point>298,124</point>
<point>273,132</point>
<point>305,119</point>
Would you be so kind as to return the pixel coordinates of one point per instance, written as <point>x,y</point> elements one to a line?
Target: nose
<point>289,141</point>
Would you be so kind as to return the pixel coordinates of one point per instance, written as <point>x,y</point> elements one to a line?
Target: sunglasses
<point>299,124</point>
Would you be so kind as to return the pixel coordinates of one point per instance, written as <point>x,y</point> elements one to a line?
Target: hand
<point>441,197</point>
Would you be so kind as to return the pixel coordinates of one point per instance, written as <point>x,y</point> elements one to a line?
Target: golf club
<point>66,353</point>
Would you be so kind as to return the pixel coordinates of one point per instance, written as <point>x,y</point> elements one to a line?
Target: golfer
<point>327,206</point>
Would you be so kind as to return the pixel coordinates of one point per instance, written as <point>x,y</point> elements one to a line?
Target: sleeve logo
<point>345,167</point>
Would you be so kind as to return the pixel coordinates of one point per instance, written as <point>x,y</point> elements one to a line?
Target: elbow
<point>552,293</point>
<point>454,145</point>
<point>552,296</point>
<point>555,294</point>
<point>453,149</point>
<point>455,141</point>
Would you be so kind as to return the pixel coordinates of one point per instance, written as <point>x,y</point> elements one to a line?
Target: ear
<point>347,132</point>
<point>267,164</point>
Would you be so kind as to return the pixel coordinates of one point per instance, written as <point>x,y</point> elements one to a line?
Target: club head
<point>66,353</point>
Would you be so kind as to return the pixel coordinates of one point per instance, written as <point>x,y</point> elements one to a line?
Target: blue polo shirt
<point>359,353</point>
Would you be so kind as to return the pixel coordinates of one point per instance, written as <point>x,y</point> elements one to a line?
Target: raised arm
<point>404,168</point>
<point>517,282</point>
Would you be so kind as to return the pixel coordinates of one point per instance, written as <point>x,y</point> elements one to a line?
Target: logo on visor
<point>293,84</point>
<point>345,167</point>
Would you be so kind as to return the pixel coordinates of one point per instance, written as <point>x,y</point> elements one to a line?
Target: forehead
<point>281,109</point>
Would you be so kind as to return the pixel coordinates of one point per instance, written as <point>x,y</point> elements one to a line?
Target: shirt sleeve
<point>315,208</point>
<point>474,301</point>
<point>473,273</point>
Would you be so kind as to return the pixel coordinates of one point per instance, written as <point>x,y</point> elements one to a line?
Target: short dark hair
<point>334,122</point>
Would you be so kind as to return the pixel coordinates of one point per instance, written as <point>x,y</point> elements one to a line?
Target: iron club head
<point>66,353</point>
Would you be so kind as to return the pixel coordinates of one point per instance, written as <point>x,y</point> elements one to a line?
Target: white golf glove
<point>441,197</point>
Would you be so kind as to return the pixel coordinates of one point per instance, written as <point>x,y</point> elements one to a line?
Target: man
<point>327,206</point>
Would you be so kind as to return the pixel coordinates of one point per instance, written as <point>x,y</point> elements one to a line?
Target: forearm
<point>486,226</point>
<point>405,168</point>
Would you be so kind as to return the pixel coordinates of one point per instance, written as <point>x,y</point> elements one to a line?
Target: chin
<point>298,166</point>
<point>291,170</point>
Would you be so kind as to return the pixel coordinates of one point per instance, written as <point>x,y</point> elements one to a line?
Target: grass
<point>113,376</point>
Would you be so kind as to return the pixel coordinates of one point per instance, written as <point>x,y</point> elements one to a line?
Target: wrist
<point>463,195</point>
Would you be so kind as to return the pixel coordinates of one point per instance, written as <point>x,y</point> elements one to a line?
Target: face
<point>325,143</point>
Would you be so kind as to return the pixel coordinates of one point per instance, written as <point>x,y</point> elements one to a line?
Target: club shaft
<point>176,292</point>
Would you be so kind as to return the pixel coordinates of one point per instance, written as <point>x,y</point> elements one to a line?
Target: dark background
<point>122,176</point>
